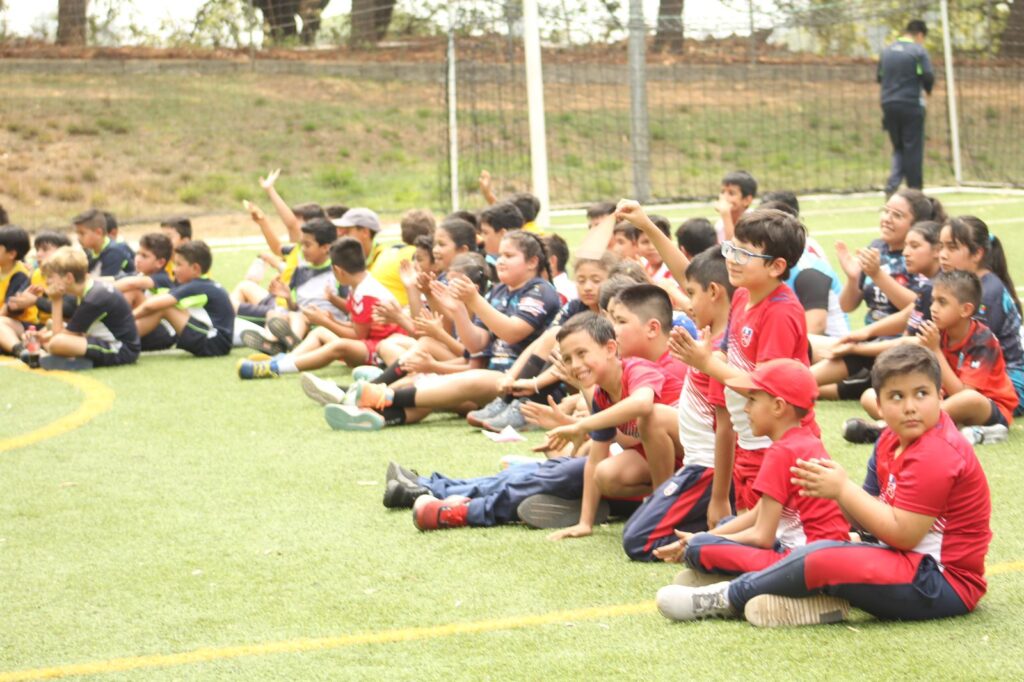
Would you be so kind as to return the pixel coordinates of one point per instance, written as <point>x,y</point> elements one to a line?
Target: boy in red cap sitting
<point>780,394</point>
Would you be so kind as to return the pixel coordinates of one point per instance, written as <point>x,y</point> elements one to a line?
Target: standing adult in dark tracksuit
<point>904,69</point>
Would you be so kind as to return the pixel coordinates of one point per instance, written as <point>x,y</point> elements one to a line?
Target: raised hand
<point>267,183</point>
<point>847,262</point>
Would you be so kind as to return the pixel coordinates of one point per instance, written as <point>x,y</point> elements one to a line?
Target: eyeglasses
<point>892,213</point>
<point>741,256</point>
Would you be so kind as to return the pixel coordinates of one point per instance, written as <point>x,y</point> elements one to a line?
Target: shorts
<point>371,350</point>
<point>996,418</point>
<point>163,336</point>
<point>257,312</point>
<point>858,363</point>
<point>745,467</point>
<point>102,355</point>
<point>195,338</point>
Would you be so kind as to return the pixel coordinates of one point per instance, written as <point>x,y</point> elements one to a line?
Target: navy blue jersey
<point>104,313</point>
<point>207,301</point>
<point>536,302</point>
<point>922,310</point>
<point>113,260</point>
<point>879,305</point>
<point>162,282</point>
<point>1000,314</point>
<point>571,308</point>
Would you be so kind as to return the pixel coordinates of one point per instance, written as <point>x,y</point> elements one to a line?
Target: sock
<point>393,416</point>
<point>392,374</point>
<point>404,397</point>
<point>284,365</point>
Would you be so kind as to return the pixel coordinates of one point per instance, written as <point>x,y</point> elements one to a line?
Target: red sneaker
<point>438,514</point>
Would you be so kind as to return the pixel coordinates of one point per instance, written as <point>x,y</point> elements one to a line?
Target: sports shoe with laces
<point>397,472</point>
<point>979,435</point>
<point>437,514</point>
<point>279,327</point>
<point>677,602</point>
<point>491,409</point>
<point>366,373</point>
<point>511,416</point>
<point>549,512</point>
<point>399,495</point>
<point>247,369</point>
<point>259,343</point>
<point>348,418</point>
<point>772,610</point>
<point>691,578</point>
<point>322,391</point>
<point>367,395</point>
<point>861,431</point>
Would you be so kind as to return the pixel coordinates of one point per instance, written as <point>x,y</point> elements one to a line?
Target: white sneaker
<point>322,391</point>
<point>772,611</point>
<point>677,602</point>
<point>984,435</point>
<point>691,578</point>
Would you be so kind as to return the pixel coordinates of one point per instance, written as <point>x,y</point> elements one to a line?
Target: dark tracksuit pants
<point>905,124</point>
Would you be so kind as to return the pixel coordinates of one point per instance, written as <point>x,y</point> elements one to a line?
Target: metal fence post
<point>639,123</point>
<point>535,102</point>
<point>453,111</point>
<point>954,120</point>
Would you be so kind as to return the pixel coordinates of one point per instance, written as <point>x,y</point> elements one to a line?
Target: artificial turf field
<point>168,521</point>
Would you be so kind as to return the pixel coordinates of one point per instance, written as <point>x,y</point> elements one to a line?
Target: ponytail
<point>972,232</point>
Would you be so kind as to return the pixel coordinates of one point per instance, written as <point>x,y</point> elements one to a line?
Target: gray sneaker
<point>549,511</point>
<point>691,578</point>
<point>511,416</point>
<point>978,435</point>
<point>772,610</point>
<point>676,602</point>
<point>321,390</point>
<point>397,472</point>
<point>491,409</point>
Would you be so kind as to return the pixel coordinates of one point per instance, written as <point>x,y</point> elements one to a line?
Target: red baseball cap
<point>783,378</point>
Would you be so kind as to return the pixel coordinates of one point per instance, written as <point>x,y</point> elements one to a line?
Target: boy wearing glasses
<point>766,321</point>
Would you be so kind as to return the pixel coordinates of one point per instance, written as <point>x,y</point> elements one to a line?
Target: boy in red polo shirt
<point>780,394</point>
<point>925,498</point>
<point>766,322</point>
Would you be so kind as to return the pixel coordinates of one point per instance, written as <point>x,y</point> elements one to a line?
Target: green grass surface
<point>201,511</point>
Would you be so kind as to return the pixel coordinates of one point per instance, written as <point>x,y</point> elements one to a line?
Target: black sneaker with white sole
<point>858,430</point>
<point>398,495</point>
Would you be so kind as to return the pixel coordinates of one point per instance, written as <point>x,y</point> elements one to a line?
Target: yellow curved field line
<point>96,399</point>
<point>294,646</point>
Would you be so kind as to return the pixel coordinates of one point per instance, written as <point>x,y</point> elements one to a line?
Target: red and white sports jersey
<point>774,328</point>
<point>697,417</point>
<point>637,373</point>
<point>804,519</point>
<point>360,307</point>
<point>978,362</point>
<point>674,372</point>
<point>939,475</point>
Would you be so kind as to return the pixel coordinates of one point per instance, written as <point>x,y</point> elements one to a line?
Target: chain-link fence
<point>153,115</point>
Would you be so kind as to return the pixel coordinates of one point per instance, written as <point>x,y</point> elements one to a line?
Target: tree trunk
<point>71,22</point>
<point>670,26</point>
<point>370,21</point>
<point>310,11</point>
<point>278,17</point>
<point>1011,42</point>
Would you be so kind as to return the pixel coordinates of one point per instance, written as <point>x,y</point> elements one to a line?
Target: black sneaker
<point>550,511</point>
<point>398,495</point>
<point>861,431</point>
<point>397,472</point>
<point>279,327</point>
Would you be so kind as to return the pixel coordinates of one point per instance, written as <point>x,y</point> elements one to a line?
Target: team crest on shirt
<point>746,336</point>
<point>890,488</point>
<point>357,306</point>
<point>670,489</point>
<point>976,364</point>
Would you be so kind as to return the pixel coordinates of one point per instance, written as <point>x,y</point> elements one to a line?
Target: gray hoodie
<point>903,70</point>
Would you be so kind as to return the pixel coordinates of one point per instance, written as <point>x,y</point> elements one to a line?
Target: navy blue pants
<point>680,503</point>
<point>714,554</point>
<point>885,582</point>
<point>905,124</point>
<point>495,499</point>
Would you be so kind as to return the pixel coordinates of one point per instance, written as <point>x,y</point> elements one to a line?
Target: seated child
<point>681,502</point>
<point>925,498</point>
<point>101,330</point>
<point>696,236</point>
<point>588,343</point>
<point>30,306</point>
<point>304,294</point>
<point>197,308</point>
<point>385,269</point>
<point>355,342</point>
<point>107,258</point>
<point>152,267</point>
<point>513,314</point>
<point>738,191</point>
<point>780,393</point>
<point>15,276</point>
<point>495,222</point>
<point>558,259</point>
<point>978,392</point>
<point>178,229</point>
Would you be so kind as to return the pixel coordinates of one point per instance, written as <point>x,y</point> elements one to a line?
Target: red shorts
<point>745,468</point>
<point>371,350</point>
